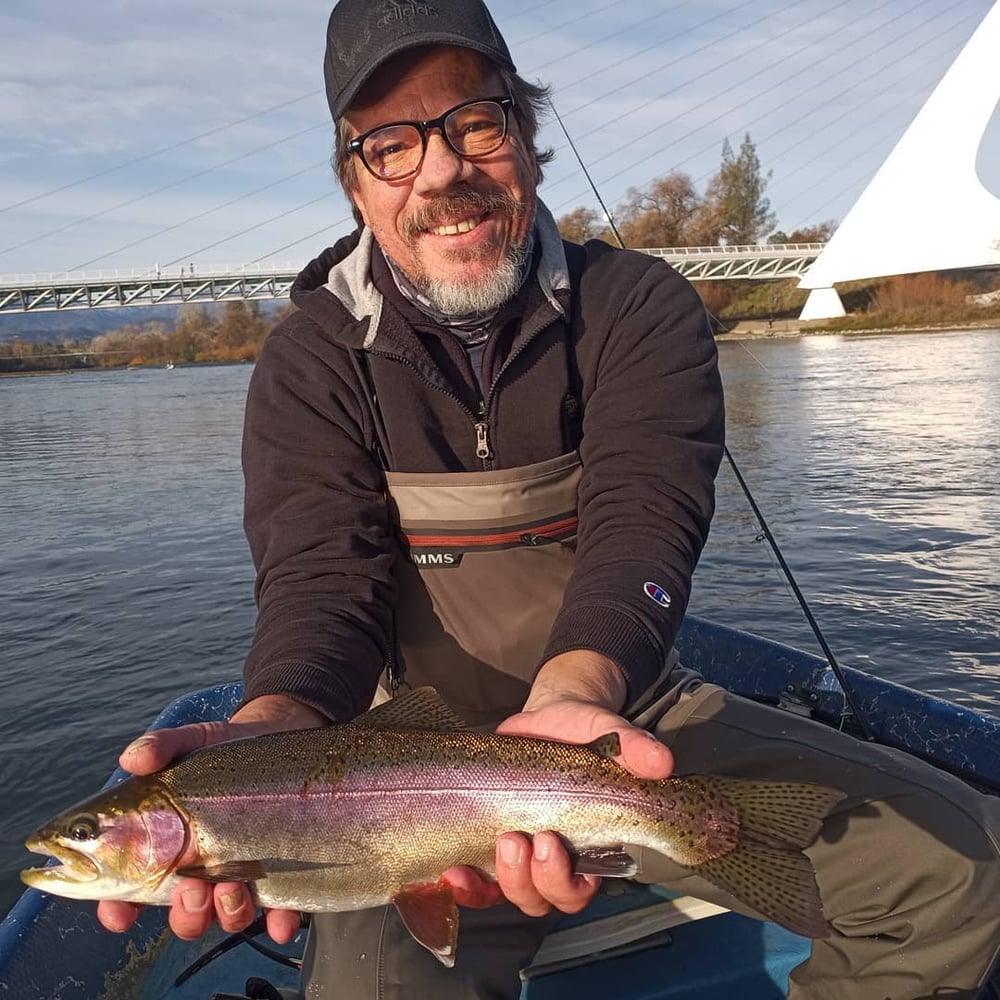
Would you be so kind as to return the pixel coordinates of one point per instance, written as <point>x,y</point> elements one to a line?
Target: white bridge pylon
<point>926,208</point>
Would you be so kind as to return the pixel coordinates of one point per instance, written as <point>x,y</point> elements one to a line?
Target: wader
<point>908,864</point>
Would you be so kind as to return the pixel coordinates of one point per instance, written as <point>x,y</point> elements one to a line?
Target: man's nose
<point>442,166</point>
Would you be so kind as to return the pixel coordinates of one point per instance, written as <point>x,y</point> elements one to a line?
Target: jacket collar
<point>349,278</point>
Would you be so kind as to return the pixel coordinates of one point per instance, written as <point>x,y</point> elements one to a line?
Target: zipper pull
<point>482,440</point>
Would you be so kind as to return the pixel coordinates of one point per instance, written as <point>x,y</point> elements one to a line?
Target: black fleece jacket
<point>622,365</point>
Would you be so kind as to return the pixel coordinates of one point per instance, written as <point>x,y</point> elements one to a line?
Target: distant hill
<point>78,324</point>
<point>85,324</point>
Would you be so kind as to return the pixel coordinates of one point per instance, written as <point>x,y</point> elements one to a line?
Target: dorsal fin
<point>421,708</point>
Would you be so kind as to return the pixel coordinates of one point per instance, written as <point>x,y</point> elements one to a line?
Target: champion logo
<point>396,12</point>
<point>656,593</point>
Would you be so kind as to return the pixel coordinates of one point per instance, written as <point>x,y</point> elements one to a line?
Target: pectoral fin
<point>259,868</point>
<point>431,916</point>
<point>227,871</point>
<point>609,862</point>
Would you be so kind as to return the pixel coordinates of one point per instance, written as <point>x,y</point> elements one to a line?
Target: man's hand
<point>196,902</point>
<point>576,698</point>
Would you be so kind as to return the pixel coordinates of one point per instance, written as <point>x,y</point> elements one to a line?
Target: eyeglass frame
<point>356,145</point>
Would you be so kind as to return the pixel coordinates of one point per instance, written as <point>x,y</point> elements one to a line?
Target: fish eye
<point>82,828</point>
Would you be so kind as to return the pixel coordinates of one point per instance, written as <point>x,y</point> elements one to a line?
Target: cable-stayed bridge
<point>956,224</point>
<point>188,285</point>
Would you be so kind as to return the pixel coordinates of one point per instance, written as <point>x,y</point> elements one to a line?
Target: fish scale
<point>374,811</point>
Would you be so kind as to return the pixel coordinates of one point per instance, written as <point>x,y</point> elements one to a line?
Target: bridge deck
<point>108,289</point>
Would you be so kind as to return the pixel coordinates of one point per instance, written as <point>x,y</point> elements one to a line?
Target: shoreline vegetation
<point>669,212</point>
<point>744,310</point>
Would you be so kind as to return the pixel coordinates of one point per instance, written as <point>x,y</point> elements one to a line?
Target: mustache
<point>461,201</point>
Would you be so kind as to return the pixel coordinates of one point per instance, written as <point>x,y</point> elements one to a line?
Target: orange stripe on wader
<point>417,540</point>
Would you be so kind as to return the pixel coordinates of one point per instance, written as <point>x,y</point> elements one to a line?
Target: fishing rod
<point>765,529</point>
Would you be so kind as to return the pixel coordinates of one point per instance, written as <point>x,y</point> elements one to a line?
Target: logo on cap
<point>656,593</point>
<point>400,11</point>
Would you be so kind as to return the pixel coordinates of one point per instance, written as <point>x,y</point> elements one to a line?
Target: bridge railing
<point>753,250</point>
<point>201,283</point>
<point>154,273</point>
<point>230,270</point>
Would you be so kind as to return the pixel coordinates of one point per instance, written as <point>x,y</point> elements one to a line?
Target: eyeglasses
<point>471,129</point>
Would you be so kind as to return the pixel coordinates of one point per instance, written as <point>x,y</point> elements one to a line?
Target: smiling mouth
<point>457,228</point>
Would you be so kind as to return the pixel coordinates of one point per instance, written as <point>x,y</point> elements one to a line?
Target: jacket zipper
<point>525,344</point>
<point>478,421</point>
<point>482,436</point>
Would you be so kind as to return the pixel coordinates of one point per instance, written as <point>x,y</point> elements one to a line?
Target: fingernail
<point>542,848</point>
<point>137,746</point>
<point>231,902</point>
<point>510,851</point>
<point>194,900</point>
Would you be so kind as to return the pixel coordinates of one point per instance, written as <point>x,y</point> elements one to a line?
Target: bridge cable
<point>881,68</point>
<point>201,215</point>
<point>629,58</point>
<point>920,91</point>
<point>659,151</point>
<point>160,190</point>
<point>838,671</point>
<point>707,73</point>
<point>156,152</point>
<point>849,110</point>
<point>302,97</point>
<point>750,100</point>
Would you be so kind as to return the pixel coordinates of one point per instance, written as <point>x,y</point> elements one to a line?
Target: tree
<point>736,196</point>
<point>820,233</point>
<point>583,224</point>
<point>191,337</point>
<point>242,330</point>
<point>660,215</point>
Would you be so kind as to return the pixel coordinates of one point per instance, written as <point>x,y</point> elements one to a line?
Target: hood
<point>340,279</point>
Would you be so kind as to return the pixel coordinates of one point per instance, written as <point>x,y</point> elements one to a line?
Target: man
<point>482,459</point>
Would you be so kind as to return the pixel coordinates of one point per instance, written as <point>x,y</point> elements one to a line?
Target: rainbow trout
<point>373,811</point>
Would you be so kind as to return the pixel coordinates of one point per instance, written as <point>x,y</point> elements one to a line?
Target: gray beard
<point>457,298</point>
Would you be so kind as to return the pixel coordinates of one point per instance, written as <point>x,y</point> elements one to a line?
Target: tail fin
<point>767,870</point>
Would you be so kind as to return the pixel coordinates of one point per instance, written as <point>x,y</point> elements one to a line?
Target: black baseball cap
<point>363,34</point>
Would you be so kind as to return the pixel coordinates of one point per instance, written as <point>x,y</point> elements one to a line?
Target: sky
<point>137,135</point>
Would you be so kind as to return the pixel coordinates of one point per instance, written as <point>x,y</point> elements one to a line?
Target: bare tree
<point>660,215</point>
<point>583,224</point>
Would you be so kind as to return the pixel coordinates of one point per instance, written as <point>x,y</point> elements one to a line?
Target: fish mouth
<point>72,866</point>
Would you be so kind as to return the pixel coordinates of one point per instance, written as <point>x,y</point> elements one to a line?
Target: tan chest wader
<point>486,560</point>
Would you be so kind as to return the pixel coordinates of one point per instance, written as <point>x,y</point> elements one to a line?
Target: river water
<point>125,579</point>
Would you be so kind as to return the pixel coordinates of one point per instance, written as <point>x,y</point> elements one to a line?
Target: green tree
<point>736,196</point>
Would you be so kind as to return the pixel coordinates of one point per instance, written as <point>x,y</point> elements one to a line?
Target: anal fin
<point>430,914</point>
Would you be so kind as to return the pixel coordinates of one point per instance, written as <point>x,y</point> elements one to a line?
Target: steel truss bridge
<point>201,284</point>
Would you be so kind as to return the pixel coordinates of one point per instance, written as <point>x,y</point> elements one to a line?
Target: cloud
<point>105,100</point>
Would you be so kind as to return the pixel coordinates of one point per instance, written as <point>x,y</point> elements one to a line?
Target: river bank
<point>758,329</point>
